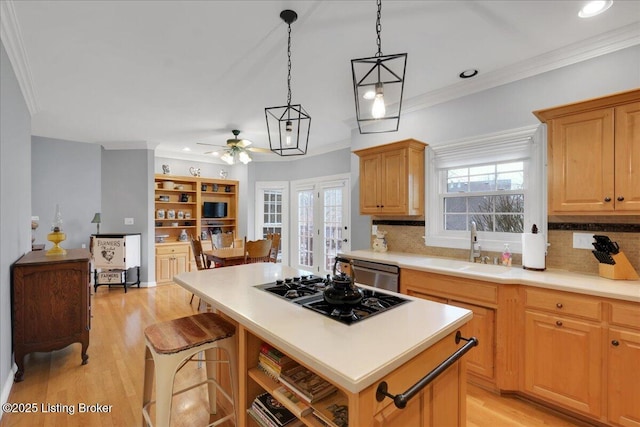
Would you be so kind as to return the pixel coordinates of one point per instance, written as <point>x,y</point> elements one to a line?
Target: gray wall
<point>127,192</point>
<point>501,108</point>
<point>15,202</point>
<point>332,163</point>
<point>66,173</point>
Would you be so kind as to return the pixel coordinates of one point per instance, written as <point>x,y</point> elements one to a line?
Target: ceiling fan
<point>236,149</point>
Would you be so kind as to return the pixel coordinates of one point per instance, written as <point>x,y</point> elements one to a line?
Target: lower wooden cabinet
<point>563,361</point>
<point>623,365</point>
<point>51,304</point>
<point>476,296</point>
<point>171,259</point>
<point>483,326</point>
<point>579,353</point>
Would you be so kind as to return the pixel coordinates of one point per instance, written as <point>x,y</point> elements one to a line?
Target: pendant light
<point>288,126</point>
<point>378,83</point>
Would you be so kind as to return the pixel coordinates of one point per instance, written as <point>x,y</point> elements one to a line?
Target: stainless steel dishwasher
<point>383,276</point>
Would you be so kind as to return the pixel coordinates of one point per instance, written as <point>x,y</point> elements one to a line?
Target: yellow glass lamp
<point>57,235</point>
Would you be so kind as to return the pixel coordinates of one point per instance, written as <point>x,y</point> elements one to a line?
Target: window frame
<point>535,187</point>
<point>261,187</point>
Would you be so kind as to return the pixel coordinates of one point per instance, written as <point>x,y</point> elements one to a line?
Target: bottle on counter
<point>506,255</point>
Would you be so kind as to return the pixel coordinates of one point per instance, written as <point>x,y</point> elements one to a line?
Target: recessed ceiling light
<point>467,74</point>
<point>186,149</point>
<point>594,8</point>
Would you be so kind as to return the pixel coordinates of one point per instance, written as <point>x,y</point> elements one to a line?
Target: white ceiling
<point>174,73</point>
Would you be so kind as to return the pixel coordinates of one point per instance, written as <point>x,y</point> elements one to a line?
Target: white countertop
<point>351,356</point>
<point>561,280</point>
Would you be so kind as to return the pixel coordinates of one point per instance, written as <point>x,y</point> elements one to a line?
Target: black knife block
<point>621,270</point>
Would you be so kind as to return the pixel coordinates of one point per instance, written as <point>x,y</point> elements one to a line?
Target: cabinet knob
<point>620,198</point>
<point>559,305</point>
<point>558,323</point>
<point>607,199</point>
<point>615,343</point>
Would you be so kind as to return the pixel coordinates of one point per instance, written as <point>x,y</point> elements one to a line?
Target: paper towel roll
<point>534,247</point>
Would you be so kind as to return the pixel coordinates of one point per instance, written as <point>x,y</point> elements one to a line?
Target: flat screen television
<point>214,210</point>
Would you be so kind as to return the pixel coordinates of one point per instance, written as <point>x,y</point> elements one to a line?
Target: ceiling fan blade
<point>242,143</point>
<point>215,153</point>
<point>258,150</point>
<point>212,145</point>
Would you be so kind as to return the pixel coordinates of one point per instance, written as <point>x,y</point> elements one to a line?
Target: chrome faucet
<point>474,247</point>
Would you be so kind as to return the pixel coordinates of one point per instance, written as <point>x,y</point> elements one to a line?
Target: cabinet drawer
<point>173,249</point>
<point>457,288</point>
<point>563,303</point>
<point>625,314</point>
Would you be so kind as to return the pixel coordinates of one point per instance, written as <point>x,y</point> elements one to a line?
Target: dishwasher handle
<point>401,399</point>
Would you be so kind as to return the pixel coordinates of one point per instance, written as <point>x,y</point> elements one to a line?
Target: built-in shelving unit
<point>179,205</point>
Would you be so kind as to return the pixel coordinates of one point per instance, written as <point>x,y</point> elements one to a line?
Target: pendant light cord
<point>289,67</point>
<point>379,29</point>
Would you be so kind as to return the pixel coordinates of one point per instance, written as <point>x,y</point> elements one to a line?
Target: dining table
<point>225,257</point>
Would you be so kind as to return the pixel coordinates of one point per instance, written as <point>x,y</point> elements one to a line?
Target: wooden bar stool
<point>170,345</point>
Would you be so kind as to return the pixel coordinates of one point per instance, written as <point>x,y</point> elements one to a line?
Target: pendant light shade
<point>378,85</point>
<point>288,126</point>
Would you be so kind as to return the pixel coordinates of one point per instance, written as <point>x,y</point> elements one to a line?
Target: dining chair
<point>256,250</point>
<point>275,246</point>
<point>202,263</point>
<point>222,240</point>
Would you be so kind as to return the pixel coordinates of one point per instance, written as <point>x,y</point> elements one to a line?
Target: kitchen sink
<point>485,268</point>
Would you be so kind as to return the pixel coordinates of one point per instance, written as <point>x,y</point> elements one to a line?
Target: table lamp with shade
<point>96,220</point>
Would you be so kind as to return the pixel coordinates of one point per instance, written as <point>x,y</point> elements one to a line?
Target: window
<point>271,213</point>
<point>496,181</point>
<point>490,195</point>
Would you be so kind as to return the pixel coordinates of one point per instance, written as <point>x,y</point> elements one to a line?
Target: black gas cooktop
<point>307,291</point>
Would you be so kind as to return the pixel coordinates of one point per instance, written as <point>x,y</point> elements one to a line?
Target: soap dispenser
<point>506,255</point>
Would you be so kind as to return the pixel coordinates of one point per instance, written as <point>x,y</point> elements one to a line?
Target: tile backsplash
<point>560,255</point>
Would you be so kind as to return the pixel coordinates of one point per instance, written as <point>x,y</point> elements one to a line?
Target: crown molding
<point>128,145</point>
<point>603,44</point>
<point>11,37</point>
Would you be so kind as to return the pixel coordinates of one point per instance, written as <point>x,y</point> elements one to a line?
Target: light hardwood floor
<point>113,376</point>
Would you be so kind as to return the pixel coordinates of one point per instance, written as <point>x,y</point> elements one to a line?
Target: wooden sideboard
<point>51,303</point>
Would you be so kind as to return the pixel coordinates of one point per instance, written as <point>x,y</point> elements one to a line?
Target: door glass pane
<point>333,213</point>
<point>305,228</point>
<point>272,214</point>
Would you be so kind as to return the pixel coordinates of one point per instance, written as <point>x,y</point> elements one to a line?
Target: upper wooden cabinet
<point>594,155</point>
<point>392,179</point>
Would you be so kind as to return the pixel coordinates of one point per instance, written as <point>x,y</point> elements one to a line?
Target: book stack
<point>271,361</point>
<point>333,411</point>
<point>305,383</point>
<point>268,412</point>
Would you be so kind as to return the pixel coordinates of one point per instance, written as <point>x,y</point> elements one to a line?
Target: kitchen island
<point>399,347</point>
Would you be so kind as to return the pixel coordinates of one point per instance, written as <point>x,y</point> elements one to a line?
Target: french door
<point>320,222</point>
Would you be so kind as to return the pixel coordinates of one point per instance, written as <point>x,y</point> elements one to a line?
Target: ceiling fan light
<point>244,157</point>
<point>227,158</point>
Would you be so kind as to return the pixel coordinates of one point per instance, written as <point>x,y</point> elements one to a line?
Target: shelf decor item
<point>378,83</point>
<point>57,235</point>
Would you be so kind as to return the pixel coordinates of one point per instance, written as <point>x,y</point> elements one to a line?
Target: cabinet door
<point>370,177</point>
<point>164,268</point>
<point>581,169</point>
<point>627,196</point>
<point>481,361</point>
<point>563,360</point>
<point>394,182</point>
<point>181,263</point>
<point>623,392</point>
